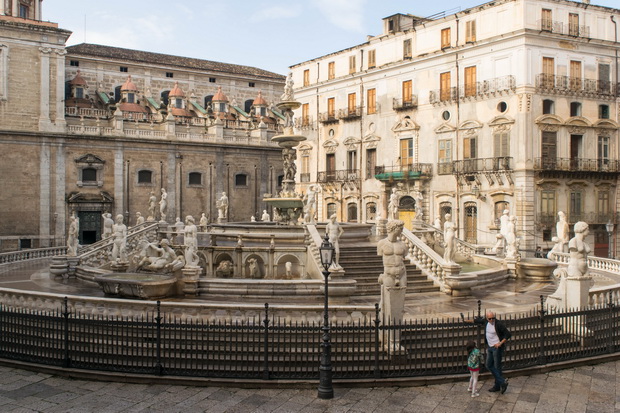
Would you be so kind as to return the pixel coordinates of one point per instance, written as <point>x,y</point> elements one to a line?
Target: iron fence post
<point>542,358</point>
<point>377,321</point>
<point>610,329</point>
<point>158,366</point>
<point>67,360</point>
<point>479,327</point>
<point>266,350</point>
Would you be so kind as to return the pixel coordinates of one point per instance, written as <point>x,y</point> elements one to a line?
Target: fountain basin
<point>537,269</point>
<point>136,285</point>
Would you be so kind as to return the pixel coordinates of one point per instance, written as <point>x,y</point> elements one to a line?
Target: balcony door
<point>330,166</point>
<point>549,150</point>
<point>575,151</point>
<point>471,222</point>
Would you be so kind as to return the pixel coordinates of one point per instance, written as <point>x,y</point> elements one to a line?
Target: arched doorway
<point>406,210</point>
<point>471,222</point>
<point>352,212</point>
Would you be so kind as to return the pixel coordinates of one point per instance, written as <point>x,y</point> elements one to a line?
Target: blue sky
<point>269,34</point>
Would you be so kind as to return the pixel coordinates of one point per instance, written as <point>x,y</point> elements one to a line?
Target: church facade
<point>510,105</point>
<point>91,129</point>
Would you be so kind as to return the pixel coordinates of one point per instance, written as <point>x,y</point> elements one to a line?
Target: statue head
<point>395,226</point>
<point>333,218</point>
<point>448,217</point>
<point>138,214</point>
<point>580,227</point>
<point>189,219</point>
<point>561,215</point>
<point>119,218</point>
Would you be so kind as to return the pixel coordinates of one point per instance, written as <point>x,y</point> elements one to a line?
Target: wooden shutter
<point>470,81</point>
<point>446,40</point>
<point>372,59</point>
<point>444,84</point>
<point>372,101</point>
<point>407,96</point>
<point>331,107</point>
<point>352,102</point>
<point>331,70</point>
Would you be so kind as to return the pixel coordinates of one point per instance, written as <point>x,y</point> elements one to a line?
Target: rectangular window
<point>351,161</point>
<point>23,11</point>
<point>169,75</point>
<point>547,20</point>
<point>79,92</point>
<point>331,107</point>
<point>211,80</point>
<point>251,84</point>
<point>331,70</point>
<point>547,203</point>
<point>445,151</point>
<point>446,38</point>
<point>407,53</point>
<point>406,152</point>
<point>371,163</point>
<point>305,164</point>
<point>469,148</point>
<point>407,92</point>
<point>330,166</point>
<point>351,64</point>
<point>604,83</point>
<point>576,205</point>
<point>603,111</point>
<point>372,59</point>
<point>602,207</point>
<point>573,24</point>
<point>444,86</point>
<point>501,144</point>
<point>124,69</point>
<point>74,63</point>
<point>470,81</point>
<point>603,151</point>
<point>549,149</point>
<point>470,31</point>
<point>575,75</point>
<point>305,114</point>
<point>352,103</point>
<point>548,69</point>
<point>371,97</point>
<point>307,77</point>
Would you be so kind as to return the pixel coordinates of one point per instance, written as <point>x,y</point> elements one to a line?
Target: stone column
<point>60,206</point>
<point>59,118</point>
<point>44,196</point>
<point>44,102</point>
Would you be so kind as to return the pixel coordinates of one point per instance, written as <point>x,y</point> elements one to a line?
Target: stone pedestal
<point>392,308</point>
<point>119,266</point>
<point>572,294</point>
<point>190,280</point>
<point>381,228</point>
<point>59,266</point>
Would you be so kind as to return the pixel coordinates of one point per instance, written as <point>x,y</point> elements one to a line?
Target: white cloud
<point>276,13</point>
<point>346,14</point>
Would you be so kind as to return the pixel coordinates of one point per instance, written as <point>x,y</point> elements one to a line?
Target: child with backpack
<point>473,365</point>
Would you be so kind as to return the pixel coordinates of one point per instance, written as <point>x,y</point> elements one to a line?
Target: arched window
<point>248,105</point>
<point>444,208</point>
<point>208,100</point>
<point>117,94</point>
<point>332,208</point>
<point>241,180</point>
<point>352,212</point>
<point>89,175</point>
<point>406,203</point>
<point>371,211</point>
<point>164,97</point>
<point>548,107</point>
<point>500,206</point>
<point>471,222</point>
<point>145,177</point>
<point>195,178</point>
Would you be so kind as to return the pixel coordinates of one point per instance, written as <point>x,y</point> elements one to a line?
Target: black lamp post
<point>326,390</point>
<point>610,229</point>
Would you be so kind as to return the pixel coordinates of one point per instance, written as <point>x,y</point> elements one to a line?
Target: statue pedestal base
<point>119,266</point>
<point>392,307</point>
<point>572,293</point>
<point>190,280</point>
<point>60,266</point>
<point>381,228</point>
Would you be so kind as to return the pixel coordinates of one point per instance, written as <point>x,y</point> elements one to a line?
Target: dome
<point>259,100</point>
<point>176,91</point>
<point>219,96</point>
<point>78,80</point>
<point>129,86</point>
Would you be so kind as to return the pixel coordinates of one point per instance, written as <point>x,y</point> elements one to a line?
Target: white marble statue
<point>511,239</point>
<point>139,218</point>
<point>253,269</point>
<point>578,249</point>
<point>222,207</point>
<point>419,207</point>
<point>191,242</point>
<point>152,205</point>
<point>334,231</point>
<point>119,232</point>
<point>288,267</point>
<point>287,96</point>
<point>108,223</point>
<point>204,221</point>
<point>265,217</point>
<point>252,219</point>
<point>449,235</point>
<point>437,224</point>
<point>393,206</point>
<point>310,205</point>
<point>503,223</point>
<point>558,247</point>
<point>163,205</point>
<point>72,237</point>
<point>562,230</point>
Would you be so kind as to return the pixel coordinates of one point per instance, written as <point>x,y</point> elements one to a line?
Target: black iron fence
<point>267,347</point>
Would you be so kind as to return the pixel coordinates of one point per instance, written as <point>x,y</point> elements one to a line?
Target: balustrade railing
<point>351,113</point>
<point>431,263</point>
<point>464,166</point>
<point>31,254</point>
<point>409,171</point>
<point>577,165</point>
<point>558,27</point>
<point>570,85</point>
<point>344,175</point>
<point>483,89</point>
<point>404,104</point>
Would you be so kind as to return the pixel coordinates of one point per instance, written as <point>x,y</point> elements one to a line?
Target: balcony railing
<point>328,117</point>
<point>563,28</point>
<point>405,104</point>
<point>411,171</point>
<point>577,165</point>
<point>350,113</point>
<point>474,165</point>
<point>567,85</point>
<point>484,89</point>
<point>344,175</point>
<point>304,122</point>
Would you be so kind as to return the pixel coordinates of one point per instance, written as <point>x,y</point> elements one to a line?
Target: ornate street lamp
<point>326,390</point>
<point>610,229</point>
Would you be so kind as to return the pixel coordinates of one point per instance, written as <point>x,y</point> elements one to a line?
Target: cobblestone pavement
<point>589,389</point>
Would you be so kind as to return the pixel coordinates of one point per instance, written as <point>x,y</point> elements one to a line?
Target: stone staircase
<point>362,264</point>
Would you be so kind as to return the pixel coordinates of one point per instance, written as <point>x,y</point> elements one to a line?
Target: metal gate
<point>471,222</point>
<point>90,226</point>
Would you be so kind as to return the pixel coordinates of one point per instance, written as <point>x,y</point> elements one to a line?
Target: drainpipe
<point>360,180</point>
<point>456,217</point>
<point>617,85</point>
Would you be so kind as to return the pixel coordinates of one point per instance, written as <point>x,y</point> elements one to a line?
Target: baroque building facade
<point>512,104</point>
<point>91,129</point>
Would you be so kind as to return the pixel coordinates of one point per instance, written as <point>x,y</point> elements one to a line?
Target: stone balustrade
<point>432,264</point>
<point>31,254</point>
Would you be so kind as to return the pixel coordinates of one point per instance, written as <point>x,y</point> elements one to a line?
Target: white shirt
<point>492,338</point>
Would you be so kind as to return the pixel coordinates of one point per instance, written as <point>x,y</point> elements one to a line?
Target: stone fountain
<point>288,205</point>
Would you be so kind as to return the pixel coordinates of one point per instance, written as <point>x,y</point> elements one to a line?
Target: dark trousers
<point>494,364</point>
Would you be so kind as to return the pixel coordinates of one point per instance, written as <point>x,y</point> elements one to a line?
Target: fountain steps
<point>362,264</point>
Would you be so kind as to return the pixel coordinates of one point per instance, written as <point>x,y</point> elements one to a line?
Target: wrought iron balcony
<point>552,26</point>
<point>405,104</point>
<point>304,122</point>
<point>328,117</point>
<point>576,86</point>
<point>476,165</point>
<point>577,165</point>
<point>398,173</point>
<point>344,175</point>
<point>478,90</point>
<point>350,113</point>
